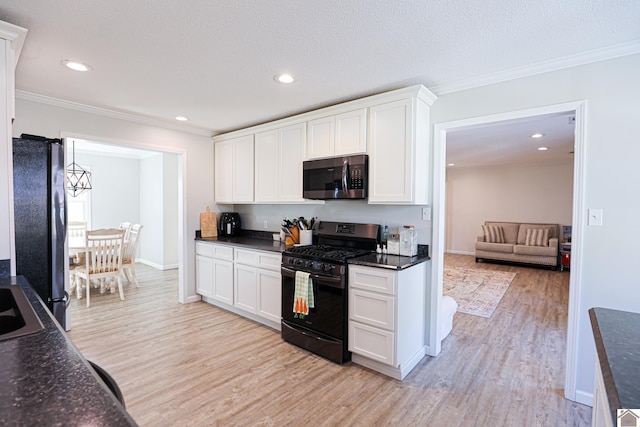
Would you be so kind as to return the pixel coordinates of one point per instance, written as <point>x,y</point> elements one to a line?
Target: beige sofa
<point>527,243</point>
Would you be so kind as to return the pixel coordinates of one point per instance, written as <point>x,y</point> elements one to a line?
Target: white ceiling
<point>214,61</point>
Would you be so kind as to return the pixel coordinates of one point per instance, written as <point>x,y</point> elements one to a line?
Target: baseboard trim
<point>456,252</point>
<point>396,373</point>
<point>156,265</point>
<point>584,397</point>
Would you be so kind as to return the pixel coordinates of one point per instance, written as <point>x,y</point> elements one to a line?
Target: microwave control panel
<point>356,177</point>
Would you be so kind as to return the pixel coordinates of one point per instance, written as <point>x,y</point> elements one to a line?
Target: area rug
<point>477,292</point>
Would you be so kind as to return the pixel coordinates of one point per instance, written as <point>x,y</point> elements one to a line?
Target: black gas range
<point>324,329</point>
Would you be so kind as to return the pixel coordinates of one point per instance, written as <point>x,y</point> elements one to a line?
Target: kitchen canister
<point>408,241</point>
<point>393,244</point>
<point>306,237</point>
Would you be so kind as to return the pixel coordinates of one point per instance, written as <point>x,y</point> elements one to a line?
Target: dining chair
<point>126,226</point>
<point>129,254</point>
<point>103,259</point>
<point>76,231</point>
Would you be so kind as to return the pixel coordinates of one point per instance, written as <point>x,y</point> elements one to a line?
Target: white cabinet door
<point>351,133</point>
<point>600,414</point>
<point>340,135</point>
<point>270,295</point>
<point>266,166</point>
<point>204,276</point>
<point>243,169</point>
<point>391,152</point>
<point>234,170</point>
<point>376,344</point>
<point>320,138</point>
<point>245,296</point>
<point>223,281</point>
<point>292,143</point>
<point>223,152</point>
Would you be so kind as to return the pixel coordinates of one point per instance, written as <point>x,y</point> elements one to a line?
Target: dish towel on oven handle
<point>303,295</point>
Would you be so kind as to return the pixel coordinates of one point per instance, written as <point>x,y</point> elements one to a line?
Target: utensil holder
<point>306,237</point>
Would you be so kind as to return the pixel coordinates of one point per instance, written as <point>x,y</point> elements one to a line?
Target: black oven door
<point>324,330</point>
<point>328,317</point>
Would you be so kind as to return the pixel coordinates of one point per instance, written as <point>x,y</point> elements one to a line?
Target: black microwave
<point>336,178</point>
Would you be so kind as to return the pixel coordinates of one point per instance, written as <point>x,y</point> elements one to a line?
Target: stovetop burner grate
<point>326,252</point>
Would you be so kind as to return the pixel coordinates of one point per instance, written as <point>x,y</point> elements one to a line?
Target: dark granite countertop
<point>392,262</point>
<point>249,239</point>
<point>617,337</point>
<point>45,380</point>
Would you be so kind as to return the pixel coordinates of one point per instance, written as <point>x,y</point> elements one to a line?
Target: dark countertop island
<point>45,380</point>
<point>617,337</point>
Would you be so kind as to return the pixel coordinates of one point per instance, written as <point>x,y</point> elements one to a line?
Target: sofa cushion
<point>535,250</point>
<point>495,247</point>
<point>509,230</point>
<point>493,233</point>
<point>537,237</point>
<point>522,232</point>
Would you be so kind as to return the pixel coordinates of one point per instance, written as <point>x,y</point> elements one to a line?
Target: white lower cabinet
<point>386,318</point>
<point>246,281</point>
<point>601,412</point>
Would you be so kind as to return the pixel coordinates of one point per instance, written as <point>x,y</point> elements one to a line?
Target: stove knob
<point>328,267</point>
<point>298,262</point>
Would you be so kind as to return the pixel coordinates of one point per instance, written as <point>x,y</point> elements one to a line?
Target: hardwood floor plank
<point>198,365</point>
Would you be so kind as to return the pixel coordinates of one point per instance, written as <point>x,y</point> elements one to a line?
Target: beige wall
<point>518,193</point>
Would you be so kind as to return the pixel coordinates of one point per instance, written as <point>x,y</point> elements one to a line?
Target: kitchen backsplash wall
<point>253,216</point>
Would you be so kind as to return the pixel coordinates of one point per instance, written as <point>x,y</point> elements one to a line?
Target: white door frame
<point>439,194</point>
<point>183,296</point>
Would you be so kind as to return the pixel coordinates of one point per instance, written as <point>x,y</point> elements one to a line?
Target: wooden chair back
<point>131,246</point>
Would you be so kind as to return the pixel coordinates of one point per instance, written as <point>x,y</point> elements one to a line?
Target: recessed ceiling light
<point>543,148</point>
<point>75,65</point>
<point>181,118</point>
<point>451,164</point>
<point>284,78</point>
<point>537,135</point>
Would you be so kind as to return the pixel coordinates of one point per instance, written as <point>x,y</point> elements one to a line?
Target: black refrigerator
<point>40,218</point>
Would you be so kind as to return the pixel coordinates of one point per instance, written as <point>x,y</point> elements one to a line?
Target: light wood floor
<point>198,365</point>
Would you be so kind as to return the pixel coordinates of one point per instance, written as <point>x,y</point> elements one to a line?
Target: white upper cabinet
<point>338,135</point>
<point>234,170</point>
<point>399,152</point>
<point>392,128</point>
<point>279,155</point>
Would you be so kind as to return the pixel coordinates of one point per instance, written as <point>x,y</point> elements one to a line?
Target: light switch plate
<point>426,214</point>
<point>595,217</point>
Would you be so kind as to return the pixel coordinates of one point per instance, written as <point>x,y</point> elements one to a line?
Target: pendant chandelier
<point>78,178</point>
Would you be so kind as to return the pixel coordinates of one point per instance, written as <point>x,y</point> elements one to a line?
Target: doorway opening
<point>439,222</point>
<point>138,184</point>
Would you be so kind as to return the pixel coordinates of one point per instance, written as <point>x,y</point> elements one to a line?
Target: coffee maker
<point>229,224</point>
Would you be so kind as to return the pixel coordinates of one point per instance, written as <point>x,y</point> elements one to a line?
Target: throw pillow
<point>537,237</point>
<point>493,233</point>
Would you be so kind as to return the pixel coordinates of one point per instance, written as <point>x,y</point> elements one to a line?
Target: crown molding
<point>16,35</point>
<point>100,111</point>
<point>574,60</point>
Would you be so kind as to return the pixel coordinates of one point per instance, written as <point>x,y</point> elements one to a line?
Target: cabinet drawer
<point>204,249</point>
<point>372,279</point>
<point>223,252</point>
<point>270,261</point>
<point>246,257</point>
<point>374,343</point>
<point>372,309</point>
<point>259,259</point>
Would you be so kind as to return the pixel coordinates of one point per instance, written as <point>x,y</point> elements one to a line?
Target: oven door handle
<point>335,282</point>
